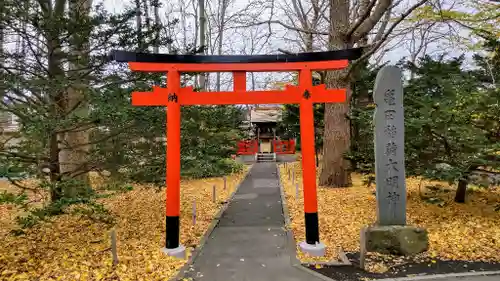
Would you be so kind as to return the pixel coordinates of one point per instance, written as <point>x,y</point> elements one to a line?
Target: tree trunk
<point>222,19</point>
<point>203,21</point>
<point>156,48</point>
<point>55,73</point>
<point>461,191</point>
<point>56,192</point>
<point>117,159</point>
<point>147,19</point>
<point>5,117</point>
<point>138,23</point>
<point>335,170</point>
<point>462,185</point>
<point>2,82</point>
<point>75,144</point>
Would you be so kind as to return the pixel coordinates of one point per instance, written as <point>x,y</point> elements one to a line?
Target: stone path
<point>249,242</point>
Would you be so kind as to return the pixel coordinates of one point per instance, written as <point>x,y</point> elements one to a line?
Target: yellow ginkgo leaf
<point>77,248</point>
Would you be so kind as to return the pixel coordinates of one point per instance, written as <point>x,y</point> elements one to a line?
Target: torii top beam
<point>227,63</point>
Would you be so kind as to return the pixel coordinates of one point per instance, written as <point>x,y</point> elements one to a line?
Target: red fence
<point>246,147</point>
<point>249,147</point>
<point>284,146</point>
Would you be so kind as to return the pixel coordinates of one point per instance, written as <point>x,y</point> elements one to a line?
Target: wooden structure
<point>265,136</point>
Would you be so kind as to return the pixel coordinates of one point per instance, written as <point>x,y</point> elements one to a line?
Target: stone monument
<point>389,147</point>
<point>391,234</point>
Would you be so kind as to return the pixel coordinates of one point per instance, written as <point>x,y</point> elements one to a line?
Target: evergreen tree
<point>61,83</point>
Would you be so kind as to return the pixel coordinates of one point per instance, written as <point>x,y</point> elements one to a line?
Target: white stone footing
<point>179,252</point>
<point>317,250</point>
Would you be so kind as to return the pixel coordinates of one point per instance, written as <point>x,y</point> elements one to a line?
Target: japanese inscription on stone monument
<point>389,147</point>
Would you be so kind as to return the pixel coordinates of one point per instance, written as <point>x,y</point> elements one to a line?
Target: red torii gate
<point>174,96</point>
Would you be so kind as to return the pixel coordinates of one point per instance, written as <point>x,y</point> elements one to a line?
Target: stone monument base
<point>395,239</point>
<point>179,252</point>
<point>317,250</point>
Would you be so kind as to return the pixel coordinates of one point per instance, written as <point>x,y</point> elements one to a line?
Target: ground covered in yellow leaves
<point>469,231</point>
<point>71,247</point>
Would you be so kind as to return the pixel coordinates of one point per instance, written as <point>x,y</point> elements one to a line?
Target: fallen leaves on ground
<point>469,231</point>
<point>77,248</point>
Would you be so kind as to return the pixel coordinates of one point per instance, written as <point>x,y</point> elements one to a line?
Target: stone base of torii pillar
<point>317,250</point>
<point>179,252</point>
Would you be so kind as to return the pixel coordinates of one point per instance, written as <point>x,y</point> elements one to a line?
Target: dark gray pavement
<point>450,278</point>
<point>471,278</point>
<point>249,243</point>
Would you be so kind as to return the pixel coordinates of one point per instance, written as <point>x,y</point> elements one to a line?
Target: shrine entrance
<point>175,96</point>
<point>265,146</point>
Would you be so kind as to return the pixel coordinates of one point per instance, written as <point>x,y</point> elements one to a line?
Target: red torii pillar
<point>174,96</point>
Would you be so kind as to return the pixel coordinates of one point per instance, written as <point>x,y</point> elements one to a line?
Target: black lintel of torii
<point>126,56</point>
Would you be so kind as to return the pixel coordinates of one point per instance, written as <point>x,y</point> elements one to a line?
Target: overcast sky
<point>238,41</point>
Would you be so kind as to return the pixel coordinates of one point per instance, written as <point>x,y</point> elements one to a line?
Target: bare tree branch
<point>300,12</point>
<point>368,24</point>
<point>284,25</point>
<point>377,45</point>
<point>360,20</point>
<point>383,25</point>
<point>285,51</point>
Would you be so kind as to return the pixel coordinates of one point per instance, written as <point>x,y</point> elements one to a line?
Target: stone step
<point>266,157</point>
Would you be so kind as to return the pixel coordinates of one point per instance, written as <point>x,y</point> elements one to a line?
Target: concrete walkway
<point>249,243</point>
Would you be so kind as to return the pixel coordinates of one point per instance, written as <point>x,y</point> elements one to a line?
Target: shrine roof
<point>265,115</point>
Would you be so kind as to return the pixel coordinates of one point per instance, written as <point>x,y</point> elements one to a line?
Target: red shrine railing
<point>284,146</point>
<point>248,147</point>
